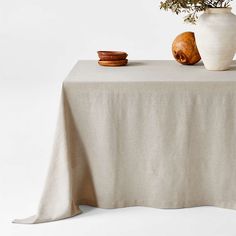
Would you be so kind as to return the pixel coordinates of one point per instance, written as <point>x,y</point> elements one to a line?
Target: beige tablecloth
<point>154,133</point>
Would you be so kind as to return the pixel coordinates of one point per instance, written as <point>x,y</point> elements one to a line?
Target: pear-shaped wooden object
<point>185,50</point>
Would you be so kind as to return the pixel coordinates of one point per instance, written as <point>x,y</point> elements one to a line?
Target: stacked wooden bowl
<point>112,58</point>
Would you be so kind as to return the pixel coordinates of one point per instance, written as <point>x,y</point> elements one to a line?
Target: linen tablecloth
<point>154,133</point>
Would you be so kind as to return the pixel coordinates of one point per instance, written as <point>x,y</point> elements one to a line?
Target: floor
<point>28,111</point>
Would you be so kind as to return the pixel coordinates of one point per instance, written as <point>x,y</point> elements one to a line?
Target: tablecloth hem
<point>35,220</point>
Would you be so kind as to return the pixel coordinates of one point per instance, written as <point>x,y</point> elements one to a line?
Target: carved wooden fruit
<point>185,50</point>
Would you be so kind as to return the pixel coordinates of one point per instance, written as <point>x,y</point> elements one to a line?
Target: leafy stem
<point>192,7</point>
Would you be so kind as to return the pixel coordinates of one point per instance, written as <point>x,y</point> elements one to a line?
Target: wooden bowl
<point>112,55</point>
<point>113,63</point>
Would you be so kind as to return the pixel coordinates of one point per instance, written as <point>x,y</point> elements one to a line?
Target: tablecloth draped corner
<point>57,200</point>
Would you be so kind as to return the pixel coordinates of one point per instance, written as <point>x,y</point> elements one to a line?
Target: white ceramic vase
<point>216,38</point>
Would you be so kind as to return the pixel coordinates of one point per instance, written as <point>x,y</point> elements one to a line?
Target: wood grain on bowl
<point>113,63</point>
<point>112,55</point>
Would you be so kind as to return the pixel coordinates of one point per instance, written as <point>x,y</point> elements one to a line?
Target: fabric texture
<point>158,135</point>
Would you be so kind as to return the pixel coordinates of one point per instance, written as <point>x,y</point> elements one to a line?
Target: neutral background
<point>40,41</point>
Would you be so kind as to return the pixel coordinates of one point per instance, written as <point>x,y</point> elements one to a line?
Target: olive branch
<point>192,8</point>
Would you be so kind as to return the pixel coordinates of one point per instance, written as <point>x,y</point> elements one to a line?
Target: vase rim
<point>218,10</point>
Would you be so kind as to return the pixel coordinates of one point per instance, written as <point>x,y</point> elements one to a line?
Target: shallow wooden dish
<point>112,55</point>
<point>113,63</point>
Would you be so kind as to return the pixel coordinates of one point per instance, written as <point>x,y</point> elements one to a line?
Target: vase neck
<point>219,10</point>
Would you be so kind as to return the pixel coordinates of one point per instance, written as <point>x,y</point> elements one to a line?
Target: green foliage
<point>191,8</point>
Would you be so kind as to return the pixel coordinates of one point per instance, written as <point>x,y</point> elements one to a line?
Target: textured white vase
<point>216,38</point>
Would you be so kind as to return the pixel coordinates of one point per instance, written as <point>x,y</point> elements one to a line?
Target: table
<point>154,133</point>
